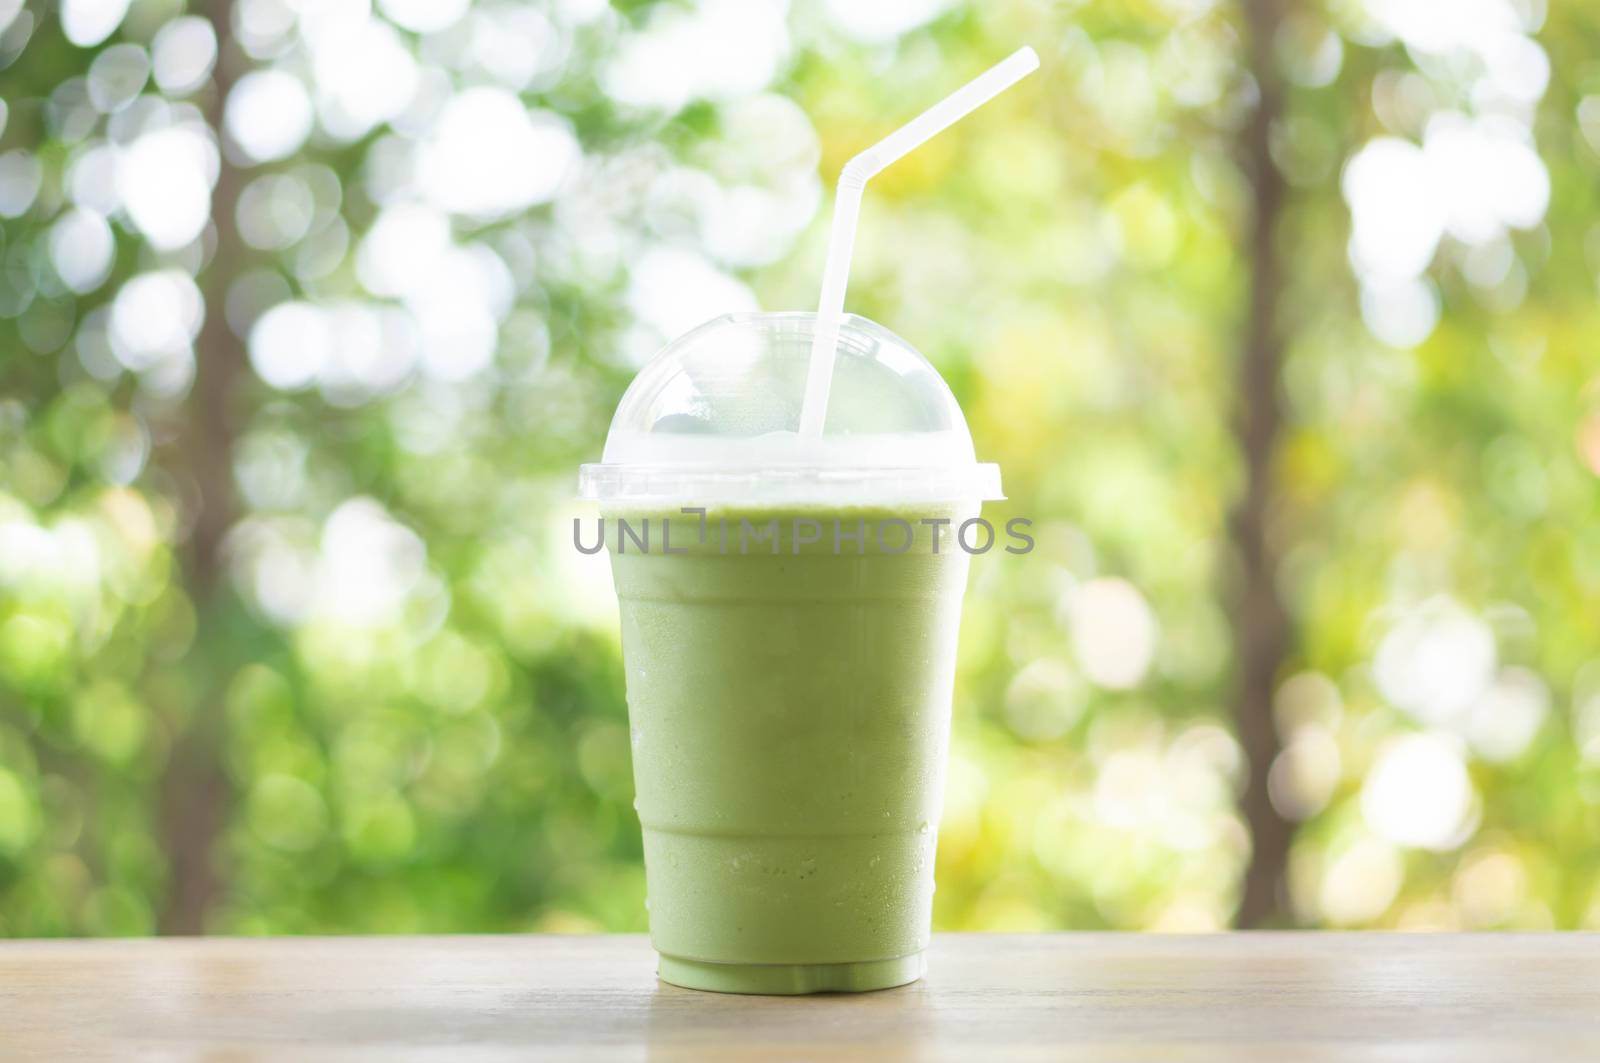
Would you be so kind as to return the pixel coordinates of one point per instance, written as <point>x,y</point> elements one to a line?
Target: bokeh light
<point>1418,793</point>
<point>269,114</point>
<point>88,22</point>
<point>182,54</point>
<point>487,154</point>
<point>1113,632</point>
<point>454,229</point>
<point>81,249</point>
<point>164,181</point>
<point>737,45</point>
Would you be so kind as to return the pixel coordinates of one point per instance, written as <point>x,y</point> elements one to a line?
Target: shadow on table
<point>688,1026</point>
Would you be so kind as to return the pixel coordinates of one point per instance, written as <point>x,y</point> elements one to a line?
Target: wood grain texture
<point>1232,998</point>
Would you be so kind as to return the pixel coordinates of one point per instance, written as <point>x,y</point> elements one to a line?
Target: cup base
<point>792,979</point>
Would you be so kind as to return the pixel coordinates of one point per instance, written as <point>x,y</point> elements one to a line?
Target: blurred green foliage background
<point>309,310</point>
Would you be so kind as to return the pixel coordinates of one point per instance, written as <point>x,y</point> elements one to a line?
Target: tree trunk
<point>1260,622</point>
<point>196,795</point>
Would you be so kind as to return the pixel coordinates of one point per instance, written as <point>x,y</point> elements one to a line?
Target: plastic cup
<point>789,646</point>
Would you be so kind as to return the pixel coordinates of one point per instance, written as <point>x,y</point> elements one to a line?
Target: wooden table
<point>1058,997</point>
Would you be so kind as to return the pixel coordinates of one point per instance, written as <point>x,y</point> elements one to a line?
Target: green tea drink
<point>790,709</point>
<point>790,716</point>
<point>789,653</point>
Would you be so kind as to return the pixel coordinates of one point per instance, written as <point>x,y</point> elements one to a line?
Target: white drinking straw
<point>847,207</point>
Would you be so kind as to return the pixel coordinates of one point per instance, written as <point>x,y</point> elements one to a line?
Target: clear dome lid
<point>715,417</point>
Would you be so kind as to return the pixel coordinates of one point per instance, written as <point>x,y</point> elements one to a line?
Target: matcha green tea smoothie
<point>789,644</point>
<point>789,714</point>
<point>790,652</point>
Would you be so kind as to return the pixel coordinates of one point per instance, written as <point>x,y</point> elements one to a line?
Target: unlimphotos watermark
<point>794,534</point>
